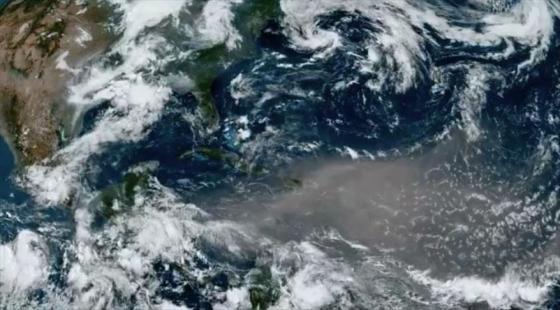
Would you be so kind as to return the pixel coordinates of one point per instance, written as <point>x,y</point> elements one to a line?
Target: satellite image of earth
<point>279,154</point>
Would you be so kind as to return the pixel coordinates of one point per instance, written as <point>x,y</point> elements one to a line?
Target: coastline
<point>7,164</point>
<point>36,63</point>
<point>3,4</point>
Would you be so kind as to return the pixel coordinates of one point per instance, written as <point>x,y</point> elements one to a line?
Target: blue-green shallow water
<point>3,3</point>
<point>457,172</point>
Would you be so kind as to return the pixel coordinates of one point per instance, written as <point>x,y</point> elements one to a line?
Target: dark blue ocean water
<point>6,167</point>
<point>9,214</point>
<point>9,191</point>
<point>327,102</point>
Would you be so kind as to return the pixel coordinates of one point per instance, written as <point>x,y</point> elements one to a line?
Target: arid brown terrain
<point>42,44</point>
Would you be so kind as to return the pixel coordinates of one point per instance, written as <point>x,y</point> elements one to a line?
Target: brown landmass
<point>34,36</point>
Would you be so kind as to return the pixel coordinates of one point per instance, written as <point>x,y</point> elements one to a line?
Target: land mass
<point>44,43</point>
<point>40,42</point>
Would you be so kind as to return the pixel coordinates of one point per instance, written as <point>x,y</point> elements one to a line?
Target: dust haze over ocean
<point>325,154</point>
